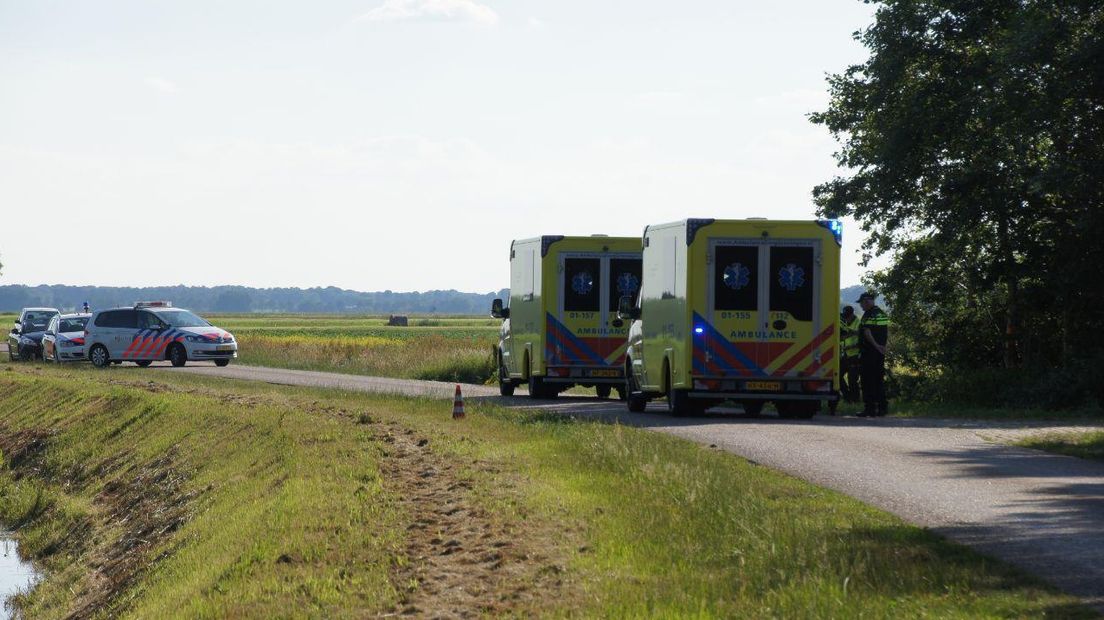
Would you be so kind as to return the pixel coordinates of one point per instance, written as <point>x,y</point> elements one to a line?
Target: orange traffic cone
<point>458,405</point>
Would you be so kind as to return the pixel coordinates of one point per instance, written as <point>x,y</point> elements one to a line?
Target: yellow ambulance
<point>561,327</point>
<point>736,310</point>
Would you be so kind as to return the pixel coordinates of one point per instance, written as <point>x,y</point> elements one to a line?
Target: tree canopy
<point>973,136</point>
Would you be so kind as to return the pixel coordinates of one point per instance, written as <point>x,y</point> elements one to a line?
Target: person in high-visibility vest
<point>873,340</point>
<point>849,354</point>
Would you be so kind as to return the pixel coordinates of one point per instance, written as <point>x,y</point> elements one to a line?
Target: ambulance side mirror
<point>497,311</point>
<point>626,310</point>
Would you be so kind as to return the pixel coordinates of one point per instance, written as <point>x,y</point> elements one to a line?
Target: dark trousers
<point>849,378</point>
<point>873,382</point>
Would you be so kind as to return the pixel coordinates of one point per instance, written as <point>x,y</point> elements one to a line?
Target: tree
<point>974,134</point>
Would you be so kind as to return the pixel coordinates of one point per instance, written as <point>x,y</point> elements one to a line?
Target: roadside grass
<point>631,523</point>
<point>907,409</point>
<point>1087,445</point>
<point>952,411</point>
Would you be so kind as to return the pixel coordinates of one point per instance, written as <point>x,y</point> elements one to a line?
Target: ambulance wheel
<point>753,408</point>
<point>603,390</point>
<point>177,355</point>
<point>99,356</point>
<point>797,410</point>
<point>679,403</point>
<point>634,398</point>
<point>144,363</point>
<point>539,389</point>
<point>506,385</point>
<point>222,363</point>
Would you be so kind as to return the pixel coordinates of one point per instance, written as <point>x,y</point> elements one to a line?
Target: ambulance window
<point>736,278</point>
<point>791,281</point>
<point>582,284</point>
<point>624,275</point>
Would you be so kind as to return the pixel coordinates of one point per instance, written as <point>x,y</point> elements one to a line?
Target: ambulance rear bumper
<point>827,396</point>
<point>585,374</point>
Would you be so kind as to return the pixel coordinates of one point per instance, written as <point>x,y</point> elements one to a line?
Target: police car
<point>154,330</point>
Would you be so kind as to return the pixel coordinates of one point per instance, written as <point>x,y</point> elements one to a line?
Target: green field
<point>436,348</point>
<point>163,495</point>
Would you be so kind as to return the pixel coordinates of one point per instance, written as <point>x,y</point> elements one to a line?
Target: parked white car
<point>64,338</point>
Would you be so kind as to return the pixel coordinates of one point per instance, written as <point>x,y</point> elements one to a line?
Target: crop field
<point>432,347</point>
<point>168,495</point>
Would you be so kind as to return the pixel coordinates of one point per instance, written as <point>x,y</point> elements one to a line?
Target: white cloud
<point>536,23</point>
<point>162,85</point>
<point>432,10</point>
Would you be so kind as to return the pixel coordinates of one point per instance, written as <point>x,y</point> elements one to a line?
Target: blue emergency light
<point>836,228</point>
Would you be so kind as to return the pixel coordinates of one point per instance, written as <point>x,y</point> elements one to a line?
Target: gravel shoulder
<point>1042,512</point>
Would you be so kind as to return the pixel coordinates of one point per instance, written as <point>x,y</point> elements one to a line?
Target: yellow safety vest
<point>849,336</point>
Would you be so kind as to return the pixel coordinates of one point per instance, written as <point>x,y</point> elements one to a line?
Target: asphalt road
<point>1040,511</point>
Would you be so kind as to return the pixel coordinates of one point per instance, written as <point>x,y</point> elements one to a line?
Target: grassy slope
<point>280,499</point>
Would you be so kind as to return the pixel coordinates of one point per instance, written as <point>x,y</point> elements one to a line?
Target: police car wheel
<point>99,357</point>
<point>222,363</point>
<point>177,355</point>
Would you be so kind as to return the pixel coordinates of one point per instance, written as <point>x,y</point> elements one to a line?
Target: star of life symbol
<point>791,277</point>
<point>628,284</point>
<point>736,276</point>
<point>582,282</point>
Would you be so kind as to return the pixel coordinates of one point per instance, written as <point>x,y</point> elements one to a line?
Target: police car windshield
<point>181,318</point>
<point>72,325</point>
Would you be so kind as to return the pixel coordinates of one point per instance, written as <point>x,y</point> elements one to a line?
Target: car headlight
<point>27,342</point>
<point>194,339</point>
<point>229,337</point>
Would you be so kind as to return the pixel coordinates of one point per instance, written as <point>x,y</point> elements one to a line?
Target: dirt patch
<point>462,561</point>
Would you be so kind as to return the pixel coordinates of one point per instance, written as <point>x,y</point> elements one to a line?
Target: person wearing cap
<point>849,354</point>
<point>873,340</point>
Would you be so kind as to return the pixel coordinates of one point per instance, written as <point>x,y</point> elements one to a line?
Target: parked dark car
<point>25,338</point>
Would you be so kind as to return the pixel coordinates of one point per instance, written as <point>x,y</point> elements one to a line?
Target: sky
<point>396,144</point>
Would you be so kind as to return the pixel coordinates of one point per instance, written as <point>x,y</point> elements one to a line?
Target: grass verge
<point>159,495</point>
<point>1088,445</point>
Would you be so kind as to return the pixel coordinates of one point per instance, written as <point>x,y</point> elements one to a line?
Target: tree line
<point>247,299</point>
<point>973,139</point>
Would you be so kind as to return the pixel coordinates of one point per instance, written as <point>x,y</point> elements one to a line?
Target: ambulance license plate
<point>605,373</point>
<point>771,386</point>
<point>225,347</point>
